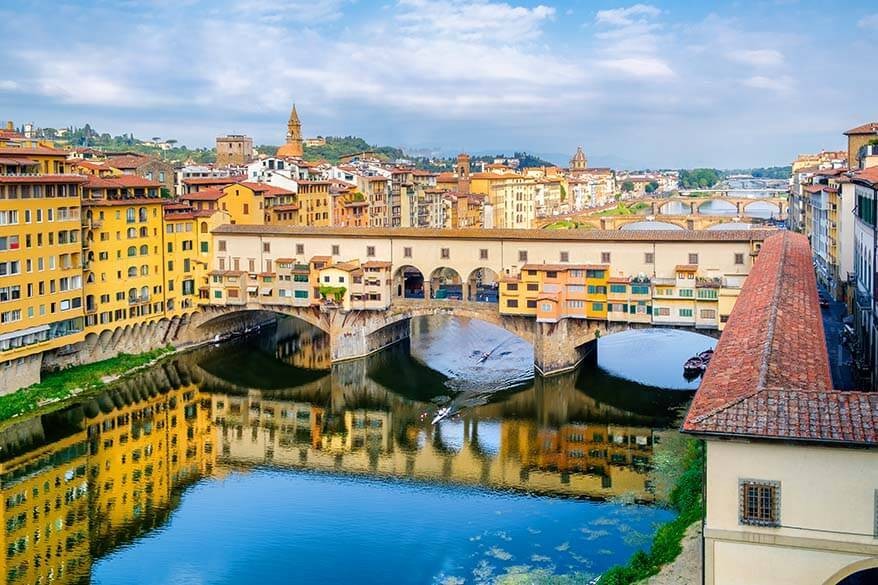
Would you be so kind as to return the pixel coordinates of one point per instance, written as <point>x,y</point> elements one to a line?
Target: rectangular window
<point>597,307</point>
<point>407,252</point>
<point>686,292</point>
<point>533,286</point>
<point>706,293</point>
<point>370,251</point>
<point>565,256</point>
<point>522,255</point>
<point>707,314</point>
<point>531,304</point>
<point>335,249</point>
<point>649,258</point>
<point>300,249</point>
<point>512,303</point>
<point>685,312</point>
<point>739,258</point>
<point>759,502</point>
<point>662,312</point>
<point>693,258</point>
<point>221,245</point>
<point>594,273</point>
<point>266,247</point>
<point>483,254</point>
<point>618,288</point>
<point>546,307</point>
<point>551,274</point>
<point>605,257</point>
<point>511,286</point>
<point>445,253</point>
<point>575,304</point>
<point>204,247</point>
<point>597,290</point>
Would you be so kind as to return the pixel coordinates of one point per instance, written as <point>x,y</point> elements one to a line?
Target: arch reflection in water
<point>80,484</point>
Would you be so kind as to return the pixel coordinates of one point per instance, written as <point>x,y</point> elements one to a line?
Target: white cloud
<point>627,16</point>
<point>868,21</point>
<point>473,21</point>
<point>302,11</point>
<point>8,85</point>
<point>757,57</point>
<point>780,85</point>
<point>630,42</point>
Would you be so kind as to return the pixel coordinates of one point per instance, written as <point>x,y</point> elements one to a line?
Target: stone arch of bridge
<point>627,221</point>
<point>775,205</point>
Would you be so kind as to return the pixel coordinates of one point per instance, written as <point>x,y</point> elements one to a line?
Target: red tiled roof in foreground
<point>770,377</point>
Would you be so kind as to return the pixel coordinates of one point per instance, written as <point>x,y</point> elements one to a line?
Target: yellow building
<point>45,512</point>
<point>187,250</point>
<point>40,260</point>
<point>124,259</point>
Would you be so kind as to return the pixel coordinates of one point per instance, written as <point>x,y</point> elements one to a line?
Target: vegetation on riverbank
<point>569,224</point>
<point>623,209</point>
<point>685,498</point>
<point>56,386</point>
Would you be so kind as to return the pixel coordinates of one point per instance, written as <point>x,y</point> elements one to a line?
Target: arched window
<point>132,251</point>
<point>144,293</point>
<point>132,233</point>
<point>129,215</point>
<point>144,270</point>
<point>203,227</point>
<point>143,232</point>
<point>142,213</point>
<point>132,294</point>
<point>144,250</point>
<point>132,271</point>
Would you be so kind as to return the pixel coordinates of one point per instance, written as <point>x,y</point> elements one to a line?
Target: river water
<point>257,462</point>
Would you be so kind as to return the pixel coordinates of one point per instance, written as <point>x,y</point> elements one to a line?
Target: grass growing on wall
<point>686,499</point>
<point>60,385</point>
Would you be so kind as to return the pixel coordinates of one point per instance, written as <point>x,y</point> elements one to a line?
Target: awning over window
<point>23,332</point>
<point>252,289</point>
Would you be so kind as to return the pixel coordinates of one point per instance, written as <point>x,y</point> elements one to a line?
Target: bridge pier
<point>555,352</point>
<point>349,341</point>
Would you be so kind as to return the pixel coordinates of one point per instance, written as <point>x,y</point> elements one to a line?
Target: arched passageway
<point>445,283</point>
<point>864,577</point>
<point>408,283</point>
<point>483,286</point>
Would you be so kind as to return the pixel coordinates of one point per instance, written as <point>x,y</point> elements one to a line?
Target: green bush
<point>59,385</point>
<point>686,499</point>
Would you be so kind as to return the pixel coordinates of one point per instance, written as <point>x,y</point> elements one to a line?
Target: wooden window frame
<point>752,492</point>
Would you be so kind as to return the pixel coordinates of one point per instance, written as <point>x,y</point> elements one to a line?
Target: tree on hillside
<point>627,186</point>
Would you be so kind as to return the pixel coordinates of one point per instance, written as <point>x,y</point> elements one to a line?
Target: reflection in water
<point>757,209</point>
<point>82,486</point>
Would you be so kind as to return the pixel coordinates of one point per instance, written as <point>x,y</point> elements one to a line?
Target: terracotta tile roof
<point>376,264</point>
<point>869,175</point>
<point>770,377</point>
<point>321,259</point>
<point>619,279</point>
<point>686,268</point>
<point>204,195</point>
<point>285,207</point>
<point>127,161</point>
<point>869,128</point>
<point>19,161</point>
<point>115,202</point>
<point>122,182</point>
<point>565,267</point>
<point>31,151</point>
<point>505,234</point>
<point>819,188</point>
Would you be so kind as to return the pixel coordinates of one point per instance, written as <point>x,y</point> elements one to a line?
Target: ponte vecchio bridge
<point>470,258</point>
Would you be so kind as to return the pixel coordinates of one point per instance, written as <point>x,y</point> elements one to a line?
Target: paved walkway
<point>839,356</point>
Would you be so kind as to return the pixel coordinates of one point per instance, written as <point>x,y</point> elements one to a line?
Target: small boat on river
<point>697,364</point>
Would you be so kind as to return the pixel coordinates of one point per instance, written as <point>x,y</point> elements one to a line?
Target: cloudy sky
<point>673,83</point>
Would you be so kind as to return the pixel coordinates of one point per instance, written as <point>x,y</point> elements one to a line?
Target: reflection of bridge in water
<point>551,437</point>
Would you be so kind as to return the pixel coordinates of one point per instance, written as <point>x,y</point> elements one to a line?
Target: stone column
<point>554,349</point>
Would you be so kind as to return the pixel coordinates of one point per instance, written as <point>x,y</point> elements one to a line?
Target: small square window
<point>407,252</point>
<point>483,254</point>
<point>335,249</point>
<point>300,249</point>
<point>565,256</point>
<point>522,255</point>
<point>649,258</point>
<point>759,502</point>
<point>739,258</point>
<point>445,253</point>
<point>605,257</point>
<point>693,258</point>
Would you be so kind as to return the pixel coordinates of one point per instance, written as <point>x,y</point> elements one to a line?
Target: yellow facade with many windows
<point>40,258</point>
<point>124,275</point>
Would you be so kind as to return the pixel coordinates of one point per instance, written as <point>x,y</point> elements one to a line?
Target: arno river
<point>255,462</point>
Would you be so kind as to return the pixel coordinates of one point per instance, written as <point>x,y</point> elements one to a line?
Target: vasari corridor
<point>438,292</point>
